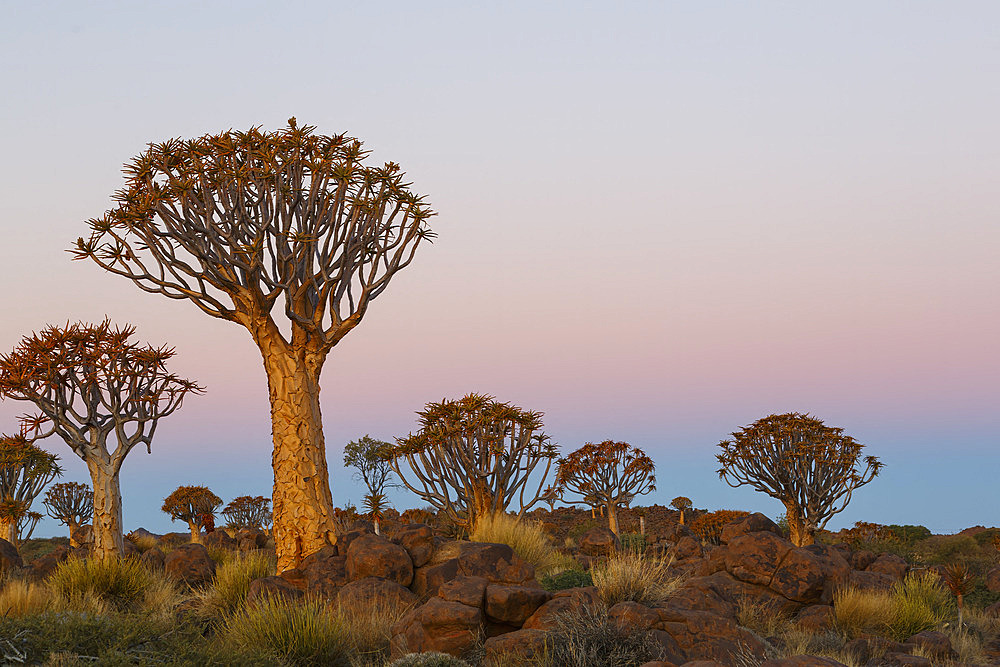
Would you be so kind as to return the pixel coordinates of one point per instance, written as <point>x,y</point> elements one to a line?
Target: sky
<point>657,223</point>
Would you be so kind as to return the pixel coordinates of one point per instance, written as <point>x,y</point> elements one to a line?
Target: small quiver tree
<point>71,504</point>
<point>191,504</point>
<point>475,457</point>
<point>25,469</point>
<point>550,496</point>
<point>288,233</point>
<point>609,473</point>
<point>248,512</point>
<point>372,463</point>
<point>960,581</point>
<point>811,468</point>
<point>681,504</point>
<point>93,386</point>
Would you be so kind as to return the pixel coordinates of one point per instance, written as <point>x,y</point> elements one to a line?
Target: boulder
<point>701,635</point>
<point>249,539</point>
<point>83,535</point>
<point>344,541</point>
<point>753,557</point>
<point>438,625</point>
<point>496,562</point>
<point>512,604</point>
<point>272,587</point>
<point>375,556</point>
<point>371,591</point>
<point>516,647</point>
<point>755,523</point>
<point>322,573</point>
<point>129,548</point>
<point>154,559</point>
<point>687,548</point>
<point>598,542</point>
<point>190,564</point>
<point>889,564</point>
<point>870,581</point>
<point>219,539</point>
<point>43,566</point>
<point>894,659</point>
<point>469,591</point>
<point>935,644</point>
<point>993,580</point>
<point>810,574</point>
<point>860,560</point>
<point>816,618</point>
<point>428,579</point>
<point>993,611</point>
<point>418,540</point>
<point>569,601</point>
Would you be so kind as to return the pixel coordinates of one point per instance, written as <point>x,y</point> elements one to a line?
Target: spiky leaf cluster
<point>607,473</point>
<point>69,503</point>
<point>681,503</point>
<point>25,469</point>
<point>191,504</point>
<point>248,512</point>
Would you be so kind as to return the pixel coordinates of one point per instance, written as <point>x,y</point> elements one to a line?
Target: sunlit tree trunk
<point>613,517</point>
<point>73,526</point>
<point>195,532</point>
<point>8,530</point>
<point>108,539</point>
<point>798,531</point>
<point>303,504</point>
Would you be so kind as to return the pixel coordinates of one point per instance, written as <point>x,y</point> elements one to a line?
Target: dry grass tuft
<point>917,603</point>
<point>232,582</point>
<point>369,628</point>
<point>526,538</point>
<point>763,618</point>
<point>628,576</point>
<point>122,584</point>
<point>20,598</point>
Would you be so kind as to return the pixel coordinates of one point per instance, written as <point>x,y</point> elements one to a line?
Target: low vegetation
<point>628,576</point>
<point>525,537</point>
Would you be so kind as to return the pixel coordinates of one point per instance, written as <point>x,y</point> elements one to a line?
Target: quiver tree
<point>474,457</point>
<point>192,504</point>
<point>371,460</point>
<point>550,496</point>
<point>71,504</point>
<point>95,388</point>
<point>609,474</point>
<point>681,504</point>
<point>25,469</point>
<point>290,235</point>
<point>811,468</point>
<point>248,512</point>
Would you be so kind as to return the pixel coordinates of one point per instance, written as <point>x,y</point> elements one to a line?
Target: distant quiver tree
<point>681,504</point>
<point>25,469</point>
<point>810,467</point>
<point>191,504</point>
<point>248,512</point>
<point>475,456</point>
<point>93,386</point>
<point>371,460</point>
<point>288,234</point>
<point>610,474</point>
<point>71,504</point>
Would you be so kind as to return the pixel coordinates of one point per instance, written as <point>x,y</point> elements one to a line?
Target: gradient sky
<point>657,223</point>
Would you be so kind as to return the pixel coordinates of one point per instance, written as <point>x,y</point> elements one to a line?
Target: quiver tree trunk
<point>613,518</point>
<point>302,502</point>
<point>799,532</point>
<point>8,530</point>
<point>73,527</point>
<point>108,539</point>
<point>195,531</point>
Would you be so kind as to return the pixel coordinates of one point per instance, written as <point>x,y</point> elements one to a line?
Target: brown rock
<point>154,559</point>
<point>83,535</point>
<point>870,581</point>
<point>860,560</point>
<point>687,547</point>
<point>191,564</point>
<point>633,615</point>
<point>418,540</point>
<point>274,587</point>
<point>993,611</point>
<point>755,523</point>
<point>802,661</point>
<point>437,625</point>
<point>598,542</point>
<point>703,663</point>
<point>496,562</point>
<point>810,574</point>
<point>936,644</point>
<point>816,618</point>
<point>469,591</point>
<point>324,573</point>
<point>702,635</point>
<point>220,539</point>
<point>428,579</point>
<point>569,601</point>
<point>518,646</point>
<point>993,580</point>
<point>130,549</point>
<point>249,539</point>
<point>658,663</point>
<point>889,564</point>
<point>43,566</point>
<point>513,604</point>
<point>375,556</point>
<point>753,557</point>
<point>893,659</point>
<point>371,591</point>
<point>674,532</point>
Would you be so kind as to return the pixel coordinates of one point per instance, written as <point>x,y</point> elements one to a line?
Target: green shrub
<point>909,534</point>
<point>124,584</point>
<point>431,659</point>
<point>305,633</point>
<point>526,538</point>
<point>635,542</point>
<point>943,549</point>
<point>627,576</point>
<point>590,638</point>
<point>917,603</point>
<point>232,581</point>
<point>566,579</point>
<point>579,529</point>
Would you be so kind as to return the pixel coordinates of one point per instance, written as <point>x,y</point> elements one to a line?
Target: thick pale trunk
<point>8,530</point>
<point>195,532</point>
<point>108,539</point>
<point>642,525</point>
<point>73,526</point>
<point>613,518</point>
<point>798,532</point>
<point>302,502</point>
<point>682,517</point>
<point>376,527</point>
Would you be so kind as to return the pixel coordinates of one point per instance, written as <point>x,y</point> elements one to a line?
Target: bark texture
<point>798,531</point>
<point>8,530</point>
<point>108,540</point>
<point>303,504</point>
<point>613,518</point>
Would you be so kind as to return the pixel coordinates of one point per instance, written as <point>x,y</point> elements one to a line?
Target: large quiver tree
<point>70,503</point>
<point>192,504</point>
<point>811,468</point>
<point>241,222</point>
<point>25,469</point>
<point>609,473</point>
<point>474,457</point>
<point>95,389</point>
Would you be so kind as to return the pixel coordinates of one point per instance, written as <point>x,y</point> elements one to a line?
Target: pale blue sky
<point>658,222</point>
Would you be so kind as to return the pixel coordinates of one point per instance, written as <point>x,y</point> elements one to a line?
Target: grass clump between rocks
<point>589,638</point>
<point>631,577</point>
<point>232,581</point>
<point>917,603</point>
<point>122,584</point>
<point>526,538</point>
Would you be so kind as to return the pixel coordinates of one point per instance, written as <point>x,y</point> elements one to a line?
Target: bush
<point>232,581</point>
<point>124,584</point>
<point>917,603</point>
<point>432,659</point>
<point>369,627</point>
<point>909,534</point>
<point>304,633</point>
<point>628,576</point>
<point>633,542</point>
<point>526,538</point>
<point>566,579</point>
<point>943,549</point>
<point>591,639</point>
<point>985,538</point>
<point>19,598</point>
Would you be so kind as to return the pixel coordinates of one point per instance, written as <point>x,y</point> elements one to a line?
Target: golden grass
<point>369,628</point>
<point>763,618</point>
<point>299,633</point>
<point>628,576</point>
<point>917,603</point>
<point>526,538</point>
<point>232,581</point>
<point>19,598</point>
<point>123,584</point>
